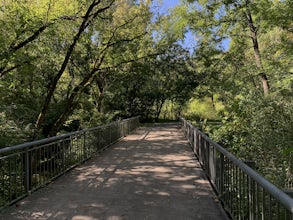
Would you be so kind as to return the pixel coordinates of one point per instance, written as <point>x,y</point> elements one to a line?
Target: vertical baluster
<point>270,207</point>
<point>85,156</point>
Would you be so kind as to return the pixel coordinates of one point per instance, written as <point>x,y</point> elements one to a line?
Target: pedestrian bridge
<point>153,172</point>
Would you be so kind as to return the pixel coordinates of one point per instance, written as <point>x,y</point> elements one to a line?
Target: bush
<point>261,129</point>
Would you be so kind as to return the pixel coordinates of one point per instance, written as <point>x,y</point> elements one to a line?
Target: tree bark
<point>101,86</point>
<point>70,106</point>
<point>257,55</point>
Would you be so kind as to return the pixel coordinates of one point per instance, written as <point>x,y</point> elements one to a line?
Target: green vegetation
<point>67,65</point>
<point>71,64</point>
<point>252,79</point>
<point>203,109</point>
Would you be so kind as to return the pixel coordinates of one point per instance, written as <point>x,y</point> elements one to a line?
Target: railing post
<point>64,146</point>
<point>221,174</point>
<point>251,194</point>
<point>85,152</point>
<point>251,191</point>
<point>200,148</point>
<point>122,129</point>
<point>28,170</point>
<point>212,164</point>
<point>194,141</point>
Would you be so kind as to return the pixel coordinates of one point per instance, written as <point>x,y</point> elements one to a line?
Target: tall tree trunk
<point>70,105</point>
<point>71,102</point>
<point>257,55</point>
<point>86,21</point>
<point>101,82</point>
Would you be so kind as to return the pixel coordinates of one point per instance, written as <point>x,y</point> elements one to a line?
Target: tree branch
<point>13,48</point>
<point>3,72</point>
<point>53,85</point>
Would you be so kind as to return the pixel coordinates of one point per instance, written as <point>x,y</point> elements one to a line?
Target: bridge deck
<point>151,174</point>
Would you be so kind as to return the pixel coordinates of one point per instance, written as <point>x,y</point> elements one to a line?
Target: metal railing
<point>243,192</point>
<point>29,166</point>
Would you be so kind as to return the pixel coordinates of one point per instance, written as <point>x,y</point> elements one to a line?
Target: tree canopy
<point>251,77</point>
<point>71,64</point>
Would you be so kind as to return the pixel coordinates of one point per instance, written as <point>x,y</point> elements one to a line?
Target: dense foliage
<point>71,64</point>
<point>66,65</point>
<point>251,78</point>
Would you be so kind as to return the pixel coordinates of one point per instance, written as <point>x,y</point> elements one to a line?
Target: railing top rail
<point>277,193</point>
<point>57,138</point>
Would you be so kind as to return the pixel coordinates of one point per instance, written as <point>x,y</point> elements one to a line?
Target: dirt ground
<point>150,174</point>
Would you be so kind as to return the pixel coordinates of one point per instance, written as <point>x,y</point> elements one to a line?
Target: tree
<point>93,10</point>
<point>59,55</point>
<point>23,23</point>
<point>219,20</point>
<point>144,86</point>
<point>251,123</point>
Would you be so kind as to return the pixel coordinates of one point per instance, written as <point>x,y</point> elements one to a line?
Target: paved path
<point>151,174</point>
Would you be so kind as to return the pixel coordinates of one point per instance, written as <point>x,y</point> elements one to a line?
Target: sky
<point>165,5</point>
<point>189,41</point>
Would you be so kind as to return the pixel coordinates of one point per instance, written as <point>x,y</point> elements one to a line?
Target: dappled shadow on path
<point>151,174</point>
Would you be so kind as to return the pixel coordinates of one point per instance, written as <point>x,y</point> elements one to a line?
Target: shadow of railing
<point>26,167</point>
<point>244,193</point>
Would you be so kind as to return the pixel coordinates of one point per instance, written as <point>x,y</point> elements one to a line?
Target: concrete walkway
<point>151,174</point>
